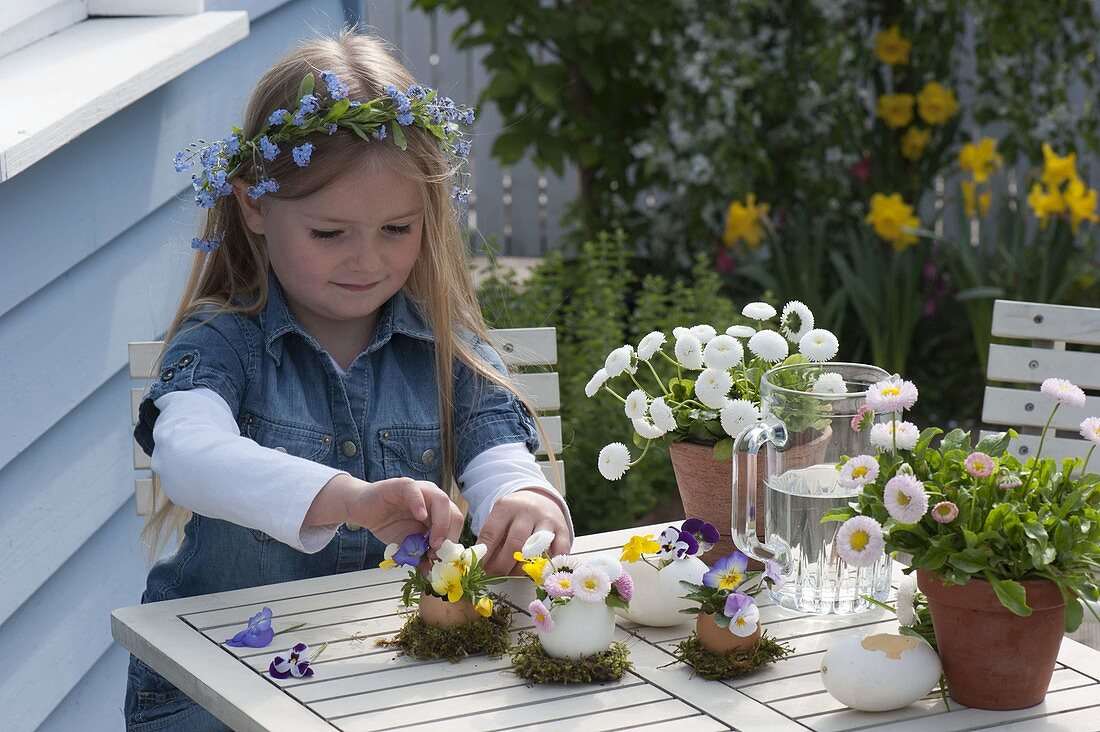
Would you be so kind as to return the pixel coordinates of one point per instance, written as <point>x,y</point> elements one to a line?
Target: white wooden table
<point>360,686</point>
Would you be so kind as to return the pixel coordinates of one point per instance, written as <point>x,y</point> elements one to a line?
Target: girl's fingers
<point>414,499</point>
<point>519,531</point>
<point>441,515</point>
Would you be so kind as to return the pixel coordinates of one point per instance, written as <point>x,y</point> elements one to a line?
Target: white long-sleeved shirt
<point>206,465</point>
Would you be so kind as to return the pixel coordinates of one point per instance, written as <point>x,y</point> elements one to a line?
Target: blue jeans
<point>154,705</point>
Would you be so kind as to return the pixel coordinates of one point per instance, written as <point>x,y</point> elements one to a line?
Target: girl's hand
<point>512,521</point>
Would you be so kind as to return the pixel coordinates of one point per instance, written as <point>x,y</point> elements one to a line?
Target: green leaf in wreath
<point>398,136</point>
<point>306,87</point>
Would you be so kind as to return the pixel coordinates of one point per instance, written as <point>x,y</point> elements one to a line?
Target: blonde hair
<point>440,279</point>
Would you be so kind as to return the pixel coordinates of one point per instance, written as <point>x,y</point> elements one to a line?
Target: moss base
<point>530,661</point>
<point>484,636</point>
<point>733,664</point>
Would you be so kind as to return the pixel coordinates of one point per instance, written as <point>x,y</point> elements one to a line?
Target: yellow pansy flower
<point>743,222</point>
<point>896,110</point>
<point>913,142</point>
<point>639,545</point>
<point>1045,204</point>
<point>891,48</point>
<point>980,160</point>
<point>984,199</point>
<point>447,582</point>
<point>1081,202</point>
<point>1057,170</point>
<point>532,567</point>
<point>484,607</point>
<point>935,104</point>
<point>891,217</point>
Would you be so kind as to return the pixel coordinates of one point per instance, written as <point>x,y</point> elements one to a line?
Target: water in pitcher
<point>819,581</point>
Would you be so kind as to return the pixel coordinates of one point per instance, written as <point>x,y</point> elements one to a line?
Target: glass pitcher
<point>805,434</point>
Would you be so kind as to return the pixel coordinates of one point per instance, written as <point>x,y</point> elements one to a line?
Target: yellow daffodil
<point>980,160</point>
<point>1057,170</point>
<point>447,581</point>
<point>913,142</point>
<point>1081,202</point>
<point>891,48</point>
<point>533,568</point>
<point>1045,203</point>
<point>891,218</point>
<point>484,607</point>
<point>743,222</point>
<point>983,199</point>
<point>896,110</point>
<point>935,104</point>
<point>639,545</point>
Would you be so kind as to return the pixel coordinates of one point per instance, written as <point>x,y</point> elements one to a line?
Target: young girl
<point>327,374</point>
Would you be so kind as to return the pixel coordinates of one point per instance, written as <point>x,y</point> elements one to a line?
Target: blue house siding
<point>95,249</point>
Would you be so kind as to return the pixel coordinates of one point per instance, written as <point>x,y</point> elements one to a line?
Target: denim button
<point>428,457</point>
<point>353,527</point>
<point>280,449</point>
<point>168,375</point>
<point>183,362</point>
<point>349,449</point>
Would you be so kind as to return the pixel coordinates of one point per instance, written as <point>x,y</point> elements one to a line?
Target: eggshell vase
<point>439,613</point>
<point>879,672</point>
<point>719,640</point>
<point>580,629</point>
<point>658,595</point>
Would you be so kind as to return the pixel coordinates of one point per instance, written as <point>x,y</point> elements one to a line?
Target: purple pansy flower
<point>774,573</point>
<point>412,548</point>
<point>705,534</point>
<point>677,544</point>
<point>728,572</point>
<point>294,663</point>
<point>258,634</point>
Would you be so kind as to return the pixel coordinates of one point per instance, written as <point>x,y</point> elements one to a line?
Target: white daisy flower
<point>737,415</point>
<point>741,331</point>
<point>769,345</point>
<point>618,361</point>
<point>661,414</point>
<point>892,395</point>
<point>905,498</point>
<point>759,311</point>
<point>796,321</point>
<point>689,351</point>
<point>1064,392</point>
<point>647,429</point>
<point>906,605</point>
<point>614,461</point>
<point>703,332</point>
<point>882,435</point>
<point>819,345</point>
<point>1090,429</point>
<point>829,383</point>
<point>859,541</point>
<point>680,331</point>
<point>723,352</point>
<point>590,584</point>
<point>650,344</point>
<point>636,404</point>
<point>610,566</point>
<point>713,387</point>
<point>858,472</point>
<point>598,380</point>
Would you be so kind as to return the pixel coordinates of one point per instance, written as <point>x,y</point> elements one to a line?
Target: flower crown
<point>223,159</point>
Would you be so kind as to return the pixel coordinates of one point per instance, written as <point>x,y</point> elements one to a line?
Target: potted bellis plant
<point>1006,552</point>
<point>714,395</point>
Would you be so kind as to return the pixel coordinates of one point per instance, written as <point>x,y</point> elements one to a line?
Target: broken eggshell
<point>879,672</point>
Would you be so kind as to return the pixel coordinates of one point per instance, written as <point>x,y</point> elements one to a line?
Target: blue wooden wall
<point>94,241</point>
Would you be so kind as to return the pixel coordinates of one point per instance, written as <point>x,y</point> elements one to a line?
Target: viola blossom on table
<point>728,590</point>
<point>693,538</point>
<point>456,573</point>
<point>258,633</point>
<point>566,578</point>
<point>709,391</point>
<point>296,662</point>
<point>964,510</point>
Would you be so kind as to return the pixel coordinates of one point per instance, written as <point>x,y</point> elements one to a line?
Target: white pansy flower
<point>647,429</point>
<point>598,379</point>
<point>618,361</point>
<point>713,387</point>
<point>661,414</point>
<point>759,311</point>
<point>636,404</point>
<point>689,351</point>
<point>737,415</point>
<point>537,544</point>
<point>819,345</point>
<point>741,331</point>
<point>769,346</point>
<point>723,352</point>
<point>703,332</point>
<point>796,321</point>
<point>650,344</point>
<point>614,460</point>
<point>829,383</point>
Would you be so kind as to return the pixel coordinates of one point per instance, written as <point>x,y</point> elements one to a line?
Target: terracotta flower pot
<point>719,640</point>
<point>993,658</point>
<point>438,613</point>
<point>705,485</point>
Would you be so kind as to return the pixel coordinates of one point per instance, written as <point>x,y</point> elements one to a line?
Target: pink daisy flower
<point>859,541</point>
<point>1010,481</point>
<point>541,616</point>
<point>558,584</point>
<point>1064,392</point>
<point>892,395</point>
<point>859,471</point>
<point>945,512</point>
<point>905,498</point>
<point>590,584</point>
<point>1090,430</point>
<point>624,586</point>
<point>863,418</point>
<point>980,465</point>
